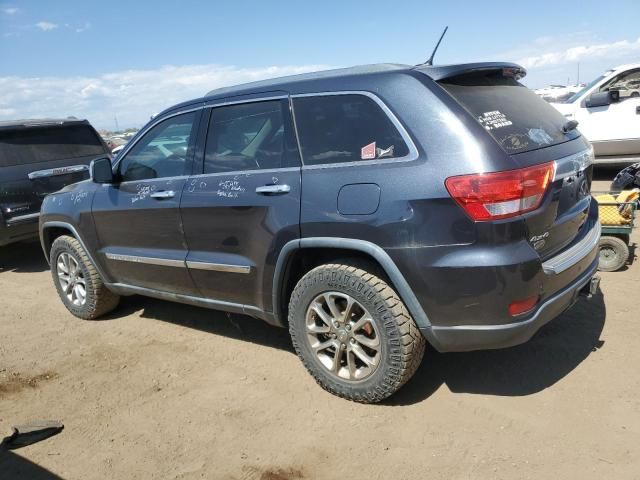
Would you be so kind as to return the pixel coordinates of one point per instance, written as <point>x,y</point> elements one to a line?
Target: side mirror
<point>601,99</point>
<point>101,170</point>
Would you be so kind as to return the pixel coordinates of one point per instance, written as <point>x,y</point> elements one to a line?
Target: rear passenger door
<point>244,205</point>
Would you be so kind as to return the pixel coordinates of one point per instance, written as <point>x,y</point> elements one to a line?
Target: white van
<point>608,113</point>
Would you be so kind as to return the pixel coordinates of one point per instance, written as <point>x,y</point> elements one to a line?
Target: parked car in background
<point>608,113</point>
<point>38,157</point>
<point>558,93</point>
<point>368,210</point>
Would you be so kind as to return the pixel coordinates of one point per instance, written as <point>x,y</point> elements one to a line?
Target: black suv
<point>38,157</point>
<point>369,210</point>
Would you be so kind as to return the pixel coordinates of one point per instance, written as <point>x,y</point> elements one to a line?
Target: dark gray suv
<point>369,210</point>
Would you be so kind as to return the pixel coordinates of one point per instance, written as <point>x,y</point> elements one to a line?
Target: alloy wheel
<point>71,279</point>
<point>343,336</point>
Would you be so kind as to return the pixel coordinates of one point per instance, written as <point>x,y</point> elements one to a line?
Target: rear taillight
<point>522,306</point>
<point>492,196</point>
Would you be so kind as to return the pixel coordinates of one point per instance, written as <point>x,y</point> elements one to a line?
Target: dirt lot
<point>160,390</point>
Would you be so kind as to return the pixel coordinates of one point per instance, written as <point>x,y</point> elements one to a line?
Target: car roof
<point>37,122</point>
<point>435,72</point>
<point>627,66</point>
<point>326,80</point>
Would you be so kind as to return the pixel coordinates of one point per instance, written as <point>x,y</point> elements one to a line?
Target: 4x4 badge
<point>539,241</point>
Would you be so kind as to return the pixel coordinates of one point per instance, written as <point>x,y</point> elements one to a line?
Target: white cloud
<point>567,57</point>
<point>83,28</point>
<point>10,10</point>
<point>581,52</point>
<point>46,26</point>
<point>132,95</point>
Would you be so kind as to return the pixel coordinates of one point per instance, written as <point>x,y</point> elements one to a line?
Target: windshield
<point>577,95</point>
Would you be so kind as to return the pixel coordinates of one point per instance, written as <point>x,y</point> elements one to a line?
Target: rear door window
<point>345,128</point>
<point>514,116</point>
<point>250,136</point>
<point>46,144</point>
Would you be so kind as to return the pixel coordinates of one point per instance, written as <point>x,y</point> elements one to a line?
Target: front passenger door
<point>138,218</point>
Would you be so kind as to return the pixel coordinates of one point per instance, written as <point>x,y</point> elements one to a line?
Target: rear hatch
<point>38,159</point>
<point>531,132</point>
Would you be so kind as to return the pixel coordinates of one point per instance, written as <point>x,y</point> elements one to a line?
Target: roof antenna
<point>433,54</point>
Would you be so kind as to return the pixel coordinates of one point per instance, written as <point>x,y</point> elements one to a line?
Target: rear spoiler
<point>442,72</point>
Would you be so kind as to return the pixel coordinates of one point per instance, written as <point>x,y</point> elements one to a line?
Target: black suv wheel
<point>353,333</point>
<point>78,283</point>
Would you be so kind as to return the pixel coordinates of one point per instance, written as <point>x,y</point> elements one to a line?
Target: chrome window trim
<point>151,180</point>
<point>244,100</point>
<point>239,173</point>
<point>163,262</point>
<point>52,172</point>
<point>413,151</point>
<point>218,267</point>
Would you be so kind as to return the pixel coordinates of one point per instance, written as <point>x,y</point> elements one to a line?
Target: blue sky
<point>131,59</point>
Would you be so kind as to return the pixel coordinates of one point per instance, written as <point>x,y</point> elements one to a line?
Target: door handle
<point>637,110</point>
<point>273,189</point>
<point>163,194</point>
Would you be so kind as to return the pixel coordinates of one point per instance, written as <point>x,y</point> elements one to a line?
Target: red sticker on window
<point>368,152</point>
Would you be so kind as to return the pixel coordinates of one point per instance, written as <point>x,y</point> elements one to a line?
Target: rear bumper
<point>461,338</point>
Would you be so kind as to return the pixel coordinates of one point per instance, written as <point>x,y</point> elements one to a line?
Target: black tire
<point>401,345</point>
<point>614,254</point>
<point>99,299</point>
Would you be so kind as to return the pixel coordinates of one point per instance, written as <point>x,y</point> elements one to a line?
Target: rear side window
<point>46,144</point>
<point>345,128</point>
<point>250,136</point>
<point>514,116</point>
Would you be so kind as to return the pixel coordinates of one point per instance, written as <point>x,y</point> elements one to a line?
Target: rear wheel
<point>78,283</point>
<point>614,254</point>
<point>353,333</point>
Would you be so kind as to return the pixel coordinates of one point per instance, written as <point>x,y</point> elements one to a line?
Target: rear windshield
<point>515,116</point>
<point>45,144</point>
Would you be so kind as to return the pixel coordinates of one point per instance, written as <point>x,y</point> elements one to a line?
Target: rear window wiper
<point>570,125</point>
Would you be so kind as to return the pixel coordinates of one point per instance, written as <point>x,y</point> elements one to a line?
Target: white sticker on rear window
<point>494,120</point>
<point>540,136</point>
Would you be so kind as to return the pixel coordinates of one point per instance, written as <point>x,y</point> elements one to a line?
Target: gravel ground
<point>160,390</point>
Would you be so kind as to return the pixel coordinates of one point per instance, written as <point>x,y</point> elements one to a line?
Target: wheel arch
<point>51,230</point>
<point>336,248</point>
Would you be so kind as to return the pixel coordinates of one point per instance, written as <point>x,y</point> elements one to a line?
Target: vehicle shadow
<point>239,327</point>
<point>23,257</point>
<point>15,466</point>
<point>550,355</point>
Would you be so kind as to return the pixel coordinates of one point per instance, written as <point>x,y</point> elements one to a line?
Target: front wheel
<point>353,333</point>
<point>78,282</point>
<point>614,254</point>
